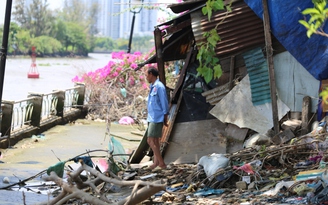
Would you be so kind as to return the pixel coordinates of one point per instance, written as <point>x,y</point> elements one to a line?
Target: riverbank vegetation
<point>120,88</point>
<point>69,31</point>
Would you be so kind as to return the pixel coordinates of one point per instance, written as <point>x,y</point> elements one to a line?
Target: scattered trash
<point>126,120</point>
<point>212,163</point>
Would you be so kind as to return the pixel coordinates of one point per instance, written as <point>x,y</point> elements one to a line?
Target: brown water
<point>33,155</point>
<point>55,73</point>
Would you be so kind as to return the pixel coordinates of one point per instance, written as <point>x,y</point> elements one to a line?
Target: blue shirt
<point>157,102</point>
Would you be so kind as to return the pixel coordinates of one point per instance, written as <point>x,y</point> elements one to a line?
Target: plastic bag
<point>212,163</point>
<point>115,147</point>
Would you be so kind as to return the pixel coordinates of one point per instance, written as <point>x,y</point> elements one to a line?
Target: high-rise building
<point>115,18</point>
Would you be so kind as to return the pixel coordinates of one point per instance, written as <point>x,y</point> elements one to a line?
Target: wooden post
<point>306,115</point>
<point>232,71</point>
<point>269,54</point>
<point>159,55</point>
<point>7,116</point>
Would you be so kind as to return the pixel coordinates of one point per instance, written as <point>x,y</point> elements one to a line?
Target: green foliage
<point>46,45</point>
<point>142,43</point>
<point>318,15</point>
<point>23,41</point>
<point>209,66</point>
<point>324,95</point>
<point>212,5</point>
<point>122,44</point>
<point>104,44</point>
<point>75,37</point>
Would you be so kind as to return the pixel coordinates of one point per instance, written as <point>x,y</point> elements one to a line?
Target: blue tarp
<point>311,53</point>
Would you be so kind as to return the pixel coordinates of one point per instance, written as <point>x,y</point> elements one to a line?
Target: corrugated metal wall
<point>257,69</point>
<point>239,30</point>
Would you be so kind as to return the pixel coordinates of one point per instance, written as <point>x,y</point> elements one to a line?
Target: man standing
<point>158,110</point>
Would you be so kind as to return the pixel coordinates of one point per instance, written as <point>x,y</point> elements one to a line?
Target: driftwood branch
<point>73,188</point>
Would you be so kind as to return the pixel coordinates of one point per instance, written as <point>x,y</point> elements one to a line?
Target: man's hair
<point>153,71</point>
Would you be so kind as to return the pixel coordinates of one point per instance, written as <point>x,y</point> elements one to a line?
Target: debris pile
<point>293,172</point>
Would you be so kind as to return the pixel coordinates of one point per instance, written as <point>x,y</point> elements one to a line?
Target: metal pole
<point>3,51</point>
<point>131,32</point>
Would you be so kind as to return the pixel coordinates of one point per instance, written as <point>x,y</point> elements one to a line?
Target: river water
<point>55,73</point>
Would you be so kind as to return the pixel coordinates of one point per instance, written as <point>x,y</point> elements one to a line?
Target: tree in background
<point>104,44</point>
<point>46,45</point>
<point>75,38</point>
<point>23,41</point>
<point>143,43</point>
<point>36,18</point>
<point>83,15</point>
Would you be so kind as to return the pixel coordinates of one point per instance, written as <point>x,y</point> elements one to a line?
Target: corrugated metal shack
<point>194,127</point>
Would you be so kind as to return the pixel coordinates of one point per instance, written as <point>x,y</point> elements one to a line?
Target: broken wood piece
<point>283,137</point>
<point>217,90</point>
<point>71,191</point>
<point>292,124</point>
<point>306,108</point>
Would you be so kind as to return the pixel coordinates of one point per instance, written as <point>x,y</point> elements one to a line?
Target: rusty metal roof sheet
<point>239,30</point>
<point>184,6</point>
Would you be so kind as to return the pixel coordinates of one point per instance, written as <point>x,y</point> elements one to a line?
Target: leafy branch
<point>315,25</point>
<point>318,16</point>
<point>209,66</point>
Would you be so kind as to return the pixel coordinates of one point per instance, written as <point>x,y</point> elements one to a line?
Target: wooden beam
<point>306,115</point>
<point>159,55</point>
<point>269,54</point>
<point>182,74</point>
<point>232,71</point>
<point>167,130</point>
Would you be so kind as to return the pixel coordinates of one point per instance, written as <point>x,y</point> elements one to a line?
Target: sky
<point>53,4</point>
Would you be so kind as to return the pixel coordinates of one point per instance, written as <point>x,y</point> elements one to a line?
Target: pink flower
<point>76,79</point>
<point>145,85</point>
<point>134,65</point>
<point>115,74</point>
<point>137,53</point>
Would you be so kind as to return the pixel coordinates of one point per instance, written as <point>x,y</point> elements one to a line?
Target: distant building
<point>115,19</point>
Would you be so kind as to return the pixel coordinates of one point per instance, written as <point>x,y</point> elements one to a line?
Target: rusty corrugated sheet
<point>239,30</point>
<point>186,5</point>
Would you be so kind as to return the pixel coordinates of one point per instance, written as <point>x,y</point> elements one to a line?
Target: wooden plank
<point>232,72</point>
<point>192,140</point>
<point>235,137</point>
<point>167,131</point>
<point>216,90</point>
<point>217,94</point>
<point>159,55</point>
<point>283,137</point>
<point>182,74</point>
